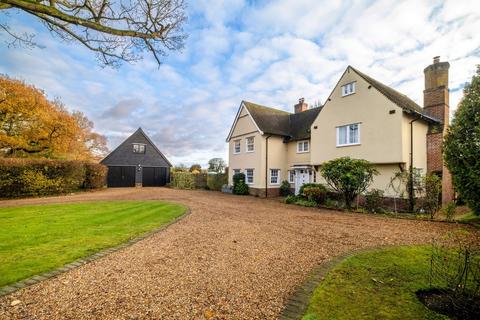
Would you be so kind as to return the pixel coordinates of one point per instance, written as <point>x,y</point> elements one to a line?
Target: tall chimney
<point>436,104</point>
<point>301,106</point>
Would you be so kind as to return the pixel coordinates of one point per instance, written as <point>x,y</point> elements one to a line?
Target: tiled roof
<point>274,121</point>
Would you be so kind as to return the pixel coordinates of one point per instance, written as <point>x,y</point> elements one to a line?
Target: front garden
<point>40,238</point>
<point>401,283</point>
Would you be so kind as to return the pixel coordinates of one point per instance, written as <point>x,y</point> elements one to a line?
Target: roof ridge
<point>265,107</point>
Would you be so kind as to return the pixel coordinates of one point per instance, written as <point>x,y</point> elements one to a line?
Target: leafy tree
<point>462,145</point>
<point>348,176</point>
<point>216,165</point>
<point>115,30</point>
<point>195,168</point>
<point>33,126</point>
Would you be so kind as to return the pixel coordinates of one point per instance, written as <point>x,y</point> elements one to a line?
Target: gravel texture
<point>232,258</point>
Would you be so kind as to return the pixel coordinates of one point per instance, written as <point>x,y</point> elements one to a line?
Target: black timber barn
<point>137,162</point>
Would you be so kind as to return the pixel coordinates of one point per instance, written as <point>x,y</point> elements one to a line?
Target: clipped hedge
<point>200,180</point>
<point>37,177</point>
<point>216,181</point>
<point>95,175</point>
<point>182,180</point>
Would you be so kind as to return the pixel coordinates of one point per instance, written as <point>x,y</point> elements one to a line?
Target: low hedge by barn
<point>188,180</point>
<point>37,177</point>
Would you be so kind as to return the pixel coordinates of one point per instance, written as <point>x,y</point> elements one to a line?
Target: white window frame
<point>291,176</point>
<point>246,176</point>
<point>348,135</point>
<point>348,89</point>
<point>278,177</point>
<point>140,147</point>
<point>237,143</point>
<point>301,146</point>
<point>247,144</point>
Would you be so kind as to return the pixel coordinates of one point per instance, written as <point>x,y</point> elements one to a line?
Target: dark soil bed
<point>444,302</point>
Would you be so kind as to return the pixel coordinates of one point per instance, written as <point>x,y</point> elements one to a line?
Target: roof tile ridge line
<point>154,146</point>
<point>121,144</point>
<point>365,77</point>
<point>267,107</point>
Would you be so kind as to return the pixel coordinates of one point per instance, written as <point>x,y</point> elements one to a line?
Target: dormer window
<point>138,148</point>
<point>348,89</point>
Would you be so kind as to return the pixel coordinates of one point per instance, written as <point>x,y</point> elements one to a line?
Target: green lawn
<point>36,239</point>
<point>375,285</point>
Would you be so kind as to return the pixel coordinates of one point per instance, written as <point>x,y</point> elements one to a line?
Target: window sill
<point>250,151</point>
<point>303,151</point>
<point>348,145</point>
<point>346,95</point>
<point>236,153</point>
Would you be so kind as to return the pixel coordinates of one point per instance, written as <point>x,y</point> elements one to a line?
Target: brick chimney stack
<point>436,104</point>
<point>301,106</point>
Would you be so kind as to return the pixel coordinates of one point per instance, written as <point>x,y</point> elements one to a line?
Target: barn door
<point>121,177</point>
<point>154,176</point>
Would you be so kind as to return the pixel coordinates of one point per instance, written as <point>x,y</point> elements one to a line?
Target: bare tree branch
<point>116,32</point>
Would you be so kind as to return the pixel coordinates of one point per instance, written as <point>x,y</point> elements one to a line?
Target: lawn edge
<point>11,288</point>
<point>296,304</point>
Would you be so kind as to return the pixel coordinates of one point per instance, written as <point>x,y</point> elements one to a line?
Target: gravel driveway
<point>231,258</point>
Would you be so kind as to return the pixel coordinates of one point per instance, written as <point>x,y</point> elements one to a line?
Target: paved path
<point>232,258</point>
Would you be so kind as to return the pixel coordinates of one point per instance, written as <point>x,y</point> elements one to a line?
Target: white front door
<point>302,176</point>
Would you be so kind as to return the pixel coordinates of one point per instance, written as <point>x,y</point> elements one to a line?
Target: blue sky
<point>269,52</point>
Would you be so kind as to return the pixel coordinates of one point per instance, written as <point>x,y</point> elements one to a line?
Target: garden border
<point>296,305</point>
<point>11,288</point>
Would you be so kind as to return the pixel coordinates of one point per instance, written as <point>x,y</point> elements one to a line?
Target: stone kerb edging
<point>296,305</point>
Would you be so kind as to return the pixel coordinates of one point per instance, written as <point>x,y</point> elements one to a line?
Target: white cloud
<point>269,52</point>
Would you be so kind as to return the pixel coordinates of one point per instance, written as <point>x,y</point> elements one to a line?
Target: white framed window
<point>274,176</point>
<point>250,144</point>
<point>291,176</point>
<point>138,148</point>
<point>348,89</point>
<point>236,147</point>
<point>236,171</point>
<point>303,146</point>
<point>249,176</point>
<point>348,135</point>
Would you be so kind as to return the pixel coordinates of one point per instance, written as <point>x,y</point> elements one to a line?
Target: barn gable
<point>123,155</point>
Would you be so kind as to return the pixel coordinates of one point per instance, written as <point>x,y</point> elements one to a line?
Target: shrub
<point>455,274</point>
<point>306,203</point>
<point>430,202</point>
<point>239,185</point>
<point>348,176</point>
<point>95,175</point>
<point>316,193</point>
<point>306,185</point>
<point>216,181</point>
<point>200,180</point>
<point>285,188</point>
<point>449,210</point>
<point>291,199</point>
<point>32,177</point>
<point>183,180</point>
<point>374,200</point>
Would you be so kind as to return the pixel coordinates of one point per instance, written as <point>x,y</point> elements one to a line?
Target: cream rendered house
<point>362,118</point>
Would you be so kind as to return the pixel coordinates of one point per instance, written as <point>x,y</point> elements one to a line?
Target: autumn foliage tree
<point>33,126</point>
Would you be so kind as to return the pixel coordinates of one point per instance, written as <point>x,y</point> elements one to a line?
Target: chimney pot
<point>436,59</point>
<point>301,106</point>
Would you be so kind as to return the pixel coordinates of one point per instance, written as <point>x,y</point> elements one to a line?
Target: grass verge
<point>40,238</point>
<point>375,285</point>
